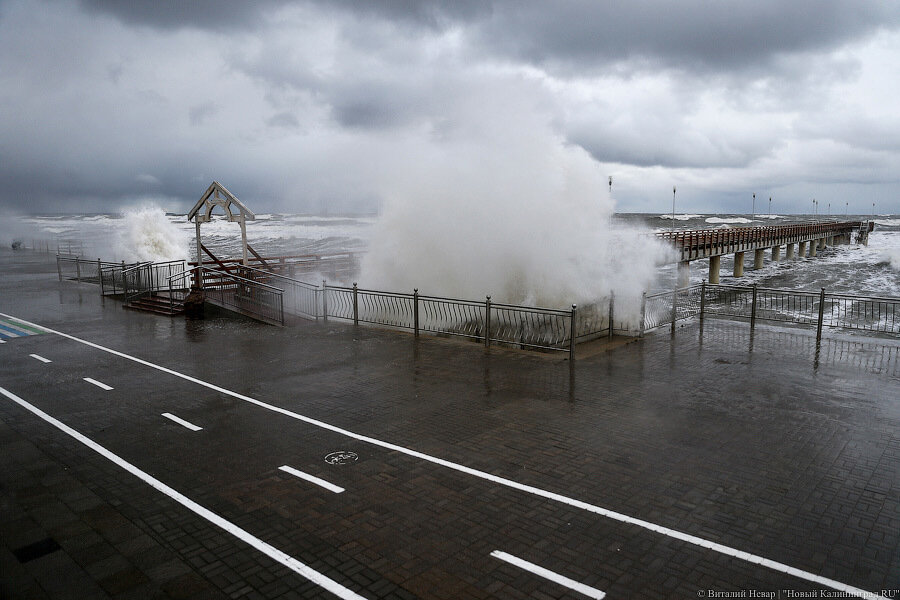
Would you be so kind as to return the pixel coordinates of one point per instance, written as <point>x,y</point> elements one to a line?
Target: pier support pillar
<point>759,258</point>
<point>821,243</point>
<point>738,264</point>
<point>714,262</point>
<point>790,251</point>
<point>830,240</point>
<point>801,249</point>
<point>684,273</point>
<point>813,246</point>
<point>776,253</point>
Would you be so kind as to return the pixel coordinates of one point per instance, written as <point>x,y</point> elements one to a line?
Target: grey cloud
<point>173,14</point>
<point>283,119</point>
<point>579,34</point>
<point>198,113</point>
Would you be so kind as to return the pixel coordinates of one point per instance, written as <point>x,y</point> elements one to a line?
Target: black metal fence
<point>819,309</point>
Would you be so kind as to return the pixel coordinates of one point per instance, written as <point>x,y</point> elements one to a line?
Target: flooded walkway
<point>149,457</point>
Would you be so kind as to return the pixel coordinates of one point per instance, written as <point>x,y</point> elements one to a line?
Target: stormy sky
<point>318,106</point>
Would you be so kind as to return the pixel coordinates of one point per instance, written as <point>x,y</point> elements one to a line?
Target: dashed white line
<point>99,384</point>
<point>548,574</point>
<point>529,489</point>
<point>312,479</point>
<point>271,551</point>
<point>182,422</point>
<point>40,358</point>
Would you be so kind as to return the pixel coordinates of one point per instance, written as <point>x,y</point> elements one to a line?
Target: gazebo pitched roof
<point>217,195</point>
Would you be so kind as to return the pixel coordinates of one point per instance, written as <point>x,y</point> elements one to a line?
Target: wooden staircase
<point>159,303</point>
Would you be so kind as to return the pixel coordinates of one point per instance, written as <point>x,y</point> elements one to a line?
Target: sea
<point>151,234</point>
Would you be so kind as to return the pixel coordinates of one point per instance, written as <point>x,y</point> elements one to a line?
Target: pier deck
<point>653,471</point>
<point>798,240</point>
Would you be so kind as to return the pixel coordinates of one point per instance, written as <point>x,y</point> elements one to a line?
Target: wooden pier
<point>799,240</point>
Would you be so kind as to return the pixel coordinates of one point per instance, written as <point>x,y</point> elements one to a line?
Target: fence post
<point>487,322</point>
<point>572,320</point>
<point>324,301</point>
<point>612,296</point>
<point>821,315</point>
<point>643,312</point>
<point>674,308</point>
<point>702,298</point>
<point>416,311</point>
<point>753,309</point>
<point>355,305</point>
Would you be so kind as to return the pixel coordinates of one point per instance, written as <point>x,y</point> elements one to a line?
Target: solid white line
<point>616,516</point>
<point>190,426</point>
<point>312,479</point>
<point>40,358</point>
<point>269,550</point>
<point>548,574</point>
<point>99,384</point>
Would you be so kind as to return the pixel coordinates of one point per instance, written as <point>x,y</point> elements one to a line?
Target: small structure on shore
<point>216,195</point>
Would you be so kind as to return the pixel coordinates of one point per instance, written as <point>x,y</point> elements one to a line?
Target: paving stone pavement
<point>759,441</point>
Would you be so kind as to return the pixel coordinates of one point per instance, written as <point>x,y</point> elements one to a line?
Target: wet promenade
<point>149,457</point>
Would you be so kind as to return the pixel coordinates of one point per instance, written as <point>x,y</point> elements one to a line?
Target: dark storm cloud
<point>104,100</point>
<point>172,14</point>
<point>693,33</point>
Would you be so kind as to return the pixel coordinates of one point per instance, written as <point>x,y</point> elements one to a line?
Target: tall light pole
<point>753,213</point>
<point>816,208</point>
<point>846,208</point>
<point>770,206</point>
<point>673,209</point>
<point>829,210</point>
<point>610,185</point>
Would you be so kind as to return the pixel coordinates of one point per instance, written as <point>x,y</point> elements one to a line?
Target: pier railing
<point>702,243</point>
<point>819,309</point>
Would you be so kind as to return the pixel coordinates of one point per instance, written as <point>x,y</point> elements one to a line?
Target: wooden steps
<point>160,304</point>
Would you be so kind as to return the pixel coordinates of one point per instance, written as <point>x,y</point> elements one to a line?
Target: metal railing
<point>82,269</point>
<point>819,309</point>
<point>488,322</point>
<point>300,299</point>
<point>135,280</point>
<point>253,299</point>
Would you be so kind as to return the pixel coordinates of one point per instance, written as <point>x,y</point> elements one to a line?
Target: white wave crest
<point>149,235</point>
<point>728,220</point>
<point>680,217</point>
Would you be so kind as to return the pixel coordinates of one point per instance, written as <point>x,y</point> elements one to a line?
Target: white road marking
<point>312,479</point>
<point>599,510</point>
<point>548,574</point>
<point>190,426</point>
<point>40,358</point>
<point>99,384</point>
<point>272,552</point>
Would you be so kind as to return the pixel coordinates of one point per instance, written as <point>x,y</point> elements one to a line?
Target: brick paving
<point>761,442</point>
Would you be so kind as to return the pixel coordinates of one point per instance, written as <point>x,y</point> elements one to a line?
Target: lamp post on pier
<point>753,212</point>
<point>610,185</point>
<point>673,209</point>
<point>770,206</point>
<point>816,208</point>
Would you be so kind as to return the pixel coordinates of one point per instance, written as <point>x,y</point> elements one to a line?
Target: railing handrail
<point>280,276</point>
<point>138,266</point>
<point>241,279</point>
